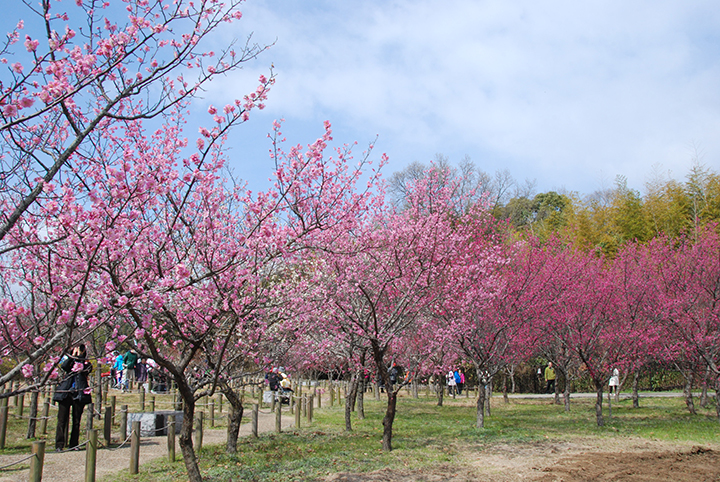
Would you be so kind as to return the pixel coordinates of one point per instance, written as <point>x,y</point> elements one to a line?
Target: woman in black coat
<point>72,392</point>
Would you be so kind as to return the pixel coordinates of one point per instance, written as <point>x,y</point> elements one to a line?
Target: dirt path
<point>70,466</point>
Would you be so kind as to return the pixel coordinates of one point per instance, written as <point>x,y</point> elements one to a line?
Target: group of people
<point>73,391</point>
<point>455,382</point>
<point>131,368</point>
<point>550,377</point>
<point>279,382</point>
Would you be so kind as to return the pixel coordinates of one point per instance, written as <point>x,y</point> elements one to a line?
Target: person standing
<point>72,394</point>
<point>141,374</point>
<point>549,378</point>
<point>118,367</point>
<point>458,381</point>
<point>452,386</point>
<point>615,381</point>
<point>129,361</point>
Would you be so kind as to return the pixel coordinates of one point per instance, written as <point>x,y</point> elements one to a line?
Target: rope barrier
<point>119,446</point>
<point>4,467</point>
<point>77,447</point>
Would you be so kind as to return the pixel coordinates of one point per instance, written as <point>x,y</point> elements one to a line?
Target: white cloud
<point>565,92</point>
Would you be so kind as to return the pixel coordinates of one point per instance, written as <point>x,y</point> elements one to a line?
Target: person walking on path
<point>118,367</point>
<point>72,393</point>
<point>549,378</point>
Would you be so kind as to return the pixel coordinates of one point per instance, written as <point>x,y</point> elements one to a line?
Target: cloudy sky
<point>568,93</point>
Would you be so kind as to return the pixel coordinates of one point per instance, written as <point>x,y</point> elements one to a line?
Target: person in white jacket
<point>615,381</point>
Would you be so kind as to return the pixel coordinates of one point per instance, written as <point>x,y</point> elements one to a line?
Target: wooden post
<point>152,403</point>
<point>142,400</point>
<point>135,448</point>
<point>171,438</point>
<point>256,409</point>
<point>278,418</point>
<point>3,423</point>
<point>332,396</point>
<point>91,455</point>
<point>107,426</point>
<point>199,430</point>
<point>304,405</point>
<point>123,422</point>
<point>318,397</point>
<point>36,462</point>
<point>310,404</point>
<point>113,401</point>
<point>45,415</point>
<point>298,411</point>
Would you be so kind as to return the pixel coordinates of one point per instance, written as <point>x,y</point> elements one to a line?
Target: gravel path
<point>70,466</point>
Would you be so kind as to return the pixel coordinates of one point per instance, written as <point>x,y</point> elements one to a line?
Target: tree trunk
<point>556,401</point>
<point>440,390</point>
<point>505,390</point>
<point>717,397</point>
<point>352,390</point>
<point>388,420</point>
<point>635,395</point>
<point>480,422</point>
<point>704,394</point>
<point>361,399</point>
<point>599,403</point>
<point>350,401</point>
<point>566,395</point>
<point>234,418</point>
<point>488,396</point>
<point>512,378</point>
<point>688,393</point>
<point>185,439</point>
<point>33,414</point>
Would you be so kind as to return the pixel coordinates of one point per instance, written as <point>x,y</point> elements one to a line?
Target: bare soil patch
<point>617,459</point>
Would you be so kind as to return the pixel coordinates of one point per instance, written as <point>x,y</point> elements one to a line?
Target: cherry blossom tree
<point>84,72</point>
<point>381,278</point>
<point>688,275</point>
<point>499,295</point>
<point>78,83</point>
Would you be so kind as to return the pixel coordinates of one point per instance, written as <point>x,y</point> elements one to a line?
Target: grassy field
<point>429,436</point>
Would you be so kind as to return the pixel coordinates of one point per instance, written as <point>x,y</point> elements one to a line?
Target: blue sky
<point>568,93</point>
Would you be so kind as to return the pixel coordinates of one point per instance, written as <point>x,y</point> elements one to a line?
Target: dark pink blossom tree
<point>688,275</point>
<point>499,296</point>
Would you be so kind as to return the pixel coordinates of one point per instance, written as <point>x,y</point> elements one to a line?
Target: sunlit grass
<point>426,435</point>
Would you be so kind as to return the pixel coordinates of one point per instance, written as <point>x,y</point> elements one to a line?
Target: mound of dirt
<point>698,464</point>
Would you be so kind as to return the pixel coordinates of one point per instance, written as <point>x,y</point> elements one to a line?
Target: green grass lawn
<point>426,435</point>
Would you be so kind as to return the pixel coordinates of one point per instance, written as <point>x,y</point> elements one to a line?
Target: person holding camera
<point>72,394</point>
